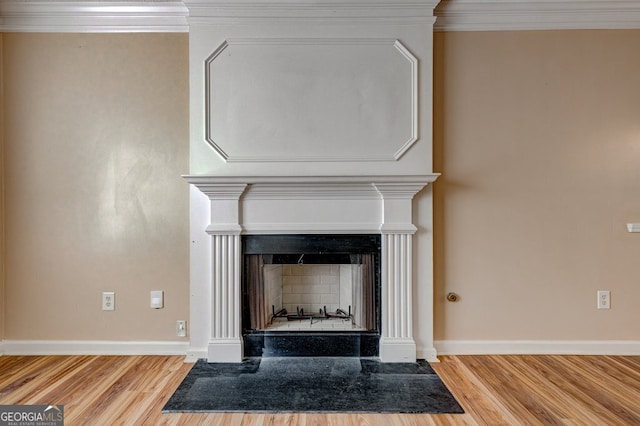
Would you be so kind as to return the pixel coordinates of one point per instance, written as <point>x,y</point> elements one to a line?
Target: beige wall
<point>537,135</point>
<point>96,139</point>
<point>2,257</point>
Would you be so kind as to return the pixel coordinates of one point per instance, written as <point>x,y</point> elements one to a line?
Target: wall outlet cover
<point>108,301</point>
<point>604,299</point>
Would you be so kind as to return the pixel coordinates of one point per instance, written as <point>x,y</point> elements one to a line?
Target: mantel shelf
<point>311,180</point>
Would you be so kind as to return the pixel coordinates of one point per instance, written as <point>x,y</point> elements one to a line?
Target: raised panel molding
<point>363,79</point>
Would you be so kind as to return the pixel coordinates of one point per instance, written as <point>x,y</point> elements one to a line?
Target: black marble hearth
<point>313,385</point>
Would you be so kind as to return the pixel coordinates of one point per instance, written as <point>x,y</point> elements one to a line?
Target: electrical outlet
<point>604,299</point>
<point>108,301</point>
<point>181,328</point>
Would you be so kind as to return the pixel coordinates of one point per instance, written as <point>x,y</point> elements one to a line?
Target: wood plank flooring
<point>493,390</point>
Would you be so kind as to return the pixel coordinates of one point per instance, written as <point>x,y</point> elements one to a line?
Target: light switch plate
<point>157,299</point>
<point>181,328</point>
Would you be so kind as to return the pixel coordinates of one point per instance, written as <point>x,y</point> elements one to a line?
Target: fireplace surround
<point>311,117</point>
<point>340,205</point>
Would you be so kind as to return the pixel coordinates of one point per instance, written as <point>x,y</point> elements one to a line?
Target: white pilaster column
<point>225,343</point>
<point>396,341</point>
<point>225,340</point>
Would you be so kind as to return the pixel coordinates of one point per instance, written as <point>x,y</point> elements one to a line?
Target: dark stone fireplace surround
<point>318,249</point>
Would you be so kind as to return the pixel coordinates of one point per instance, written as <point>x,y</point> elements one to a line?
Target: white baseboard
<point>89,347</point>
<point>443,347</point>
<point>427,353</point>
<point>537,347</point>
<point>194,354</point>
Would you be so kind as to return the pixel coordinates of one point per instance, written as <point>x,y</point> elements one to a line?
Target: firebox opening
<point>311,295</point>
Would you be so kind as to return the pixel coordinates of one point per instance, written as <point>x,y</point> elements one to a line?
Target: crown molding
<point>452,15</point>
<point>93,16</point>
<point>332,9</point>
<point>100,16</point>
<point>501,15</point>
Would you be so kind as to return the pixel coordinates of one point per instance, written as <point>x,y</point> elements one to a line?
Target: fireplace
<point>311,295</point>
<point>311,118</point>
<point>231,208</point>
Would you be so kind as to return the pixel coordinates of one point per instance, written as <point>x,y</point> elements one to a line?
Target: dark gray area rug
<point>350,385</point>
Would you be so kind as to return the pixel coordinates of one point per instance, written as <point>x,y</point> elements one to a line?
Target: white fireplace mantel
<point>301,205</point>
<point>286,204</point>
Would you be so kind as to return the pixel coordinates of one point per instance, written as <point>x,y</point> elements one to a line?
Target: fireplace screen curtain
<point>259,311</point>
<point>363,274</point>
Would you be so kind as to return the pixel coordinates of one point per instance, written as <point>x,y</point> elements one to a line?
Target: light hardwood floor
<point>493,390</point>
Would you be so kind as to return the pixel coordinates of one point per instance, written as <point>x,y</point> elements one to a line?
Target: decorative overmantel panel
<point>311,117</point>
<point>359,95</point>
<point>316,87</point>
